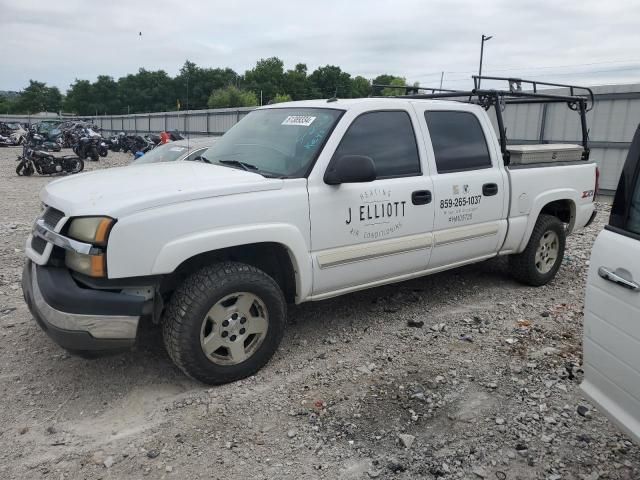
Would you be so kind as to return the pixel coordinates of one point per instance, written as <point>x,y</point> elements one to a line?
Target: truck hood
<point>120,191</point>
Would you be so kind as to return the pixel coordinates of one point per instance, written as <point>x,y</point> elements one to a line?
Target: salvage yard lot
<point>464,374</point>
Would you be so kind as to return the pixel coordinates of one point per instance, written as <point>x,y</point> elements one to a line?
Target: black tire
<point>78,165</point>
<point>20,167</point>
<point>190,303</point>
<point>523,265</point>
<point>24,168</point>
<point>103,152</point>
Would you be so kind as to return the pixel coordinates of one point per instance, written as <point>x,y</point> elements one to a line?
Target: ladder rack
<point>579,99</point>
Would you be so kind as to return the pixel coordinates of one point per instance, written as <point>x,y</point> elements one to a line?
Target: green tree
<point>79,99</point>
<point>8,103</point>
<point>296,82</point>
<point>360,87</point>
<point>105,98</point>
<point>199,82</point>
<point>281,97</point>
<point>267,77</point>
<point>397,82</point>
<point>37,97</point>
<point>147,91</point>
<point>232,96</point>
<point>330,80</point>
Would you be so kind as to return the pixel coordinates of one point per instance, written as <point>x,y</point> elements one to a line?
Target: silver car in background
<point>180,150</point>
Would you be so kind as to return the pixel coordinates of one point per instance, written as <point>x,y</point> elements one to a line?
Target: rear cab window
<point>459,143</point>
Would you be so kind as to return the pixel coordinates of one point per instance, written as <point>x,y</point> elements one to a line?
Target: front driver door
<point>612,306</point>
<point>367,233</point>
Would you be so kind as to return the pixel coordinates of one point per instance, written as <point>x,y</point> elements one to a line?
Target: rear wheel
<point>77,165</point>
<point>224,322</point>
<point>541,259</point>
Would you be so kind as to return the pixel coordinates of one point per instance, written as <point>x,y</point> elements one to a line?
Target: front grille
<point>38,244</point>
<point>52,216</point>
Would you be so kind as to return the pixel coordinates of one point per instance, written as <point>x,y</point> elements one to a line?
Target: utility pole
<point>485,38</point>
<point>441,78</point>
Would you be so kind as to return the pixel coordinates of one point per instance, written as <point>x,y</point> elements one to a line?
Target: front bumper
<point>76,318</point>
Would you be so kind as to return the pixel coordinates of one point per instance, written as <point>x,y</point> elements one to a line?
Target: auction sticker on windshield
<point>300,120</point>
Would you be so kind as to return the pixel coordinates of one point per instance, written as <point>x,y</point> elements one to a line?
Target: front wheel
<point>224,322</point>
<point>20,167</point>
<point>24,168</point>
<point>541,259</point>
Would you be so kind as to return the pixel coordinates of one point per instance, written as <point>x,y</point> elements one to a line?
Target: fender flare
<point>183,248</point>
<point>540,202</point>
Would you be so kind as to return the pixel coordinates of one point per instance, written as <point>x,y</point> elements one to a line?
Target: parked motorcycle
<point>87,145</point>
<point>103,148</point>
<point>33,160</point>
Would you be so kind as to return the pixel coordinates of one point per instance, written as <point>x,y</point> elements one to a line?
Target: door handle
<point>618,276</point>
<point>421,197</point>
<point>489,189</point>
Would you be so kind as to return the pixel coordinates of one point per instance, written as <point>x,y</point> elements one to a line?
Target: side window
<point>625,211</point>
<point>633,223</point>
<point>458,141</point>
<point>388,138</point>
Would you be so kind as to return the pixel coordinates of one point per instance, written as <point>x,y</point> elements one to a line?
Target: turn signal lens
<point>91,265</point>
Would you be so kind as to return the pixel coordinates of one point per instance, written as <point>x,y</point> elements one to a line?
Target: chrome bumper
<point>88,325</point>
<point>42,230</point>
<point>98,326</point>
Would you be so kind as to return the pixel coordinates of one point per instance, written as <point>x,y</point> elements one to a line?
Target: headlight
<point>93,230</point>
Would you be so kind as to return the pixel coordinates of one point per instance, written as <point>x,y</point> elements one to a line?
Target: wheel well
<point>564,210</point>
<point>270,257</point>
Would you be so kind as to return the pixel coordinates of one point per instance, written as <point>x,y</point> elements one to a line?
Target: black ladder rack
<point>579,99</point>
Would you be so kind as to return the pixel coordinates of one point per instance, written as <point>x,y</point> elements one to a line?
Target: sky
<point>576,41</point>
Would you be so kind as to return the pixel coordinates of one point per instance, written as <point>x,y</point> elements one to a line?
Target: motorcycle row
<point>39,139</point>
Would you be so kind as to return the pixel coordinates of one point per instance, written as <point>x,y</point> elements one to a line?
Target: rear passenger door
<point>612,306</point>
<point>470,188</point>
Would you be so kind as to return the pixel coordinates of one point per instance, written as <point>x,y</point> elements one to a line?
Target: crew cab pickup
<point>299,201</point>
<point>612,306</point>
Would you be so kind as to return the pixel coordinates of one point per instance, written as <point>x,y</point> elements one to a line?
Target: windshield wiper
<point>245,166</point>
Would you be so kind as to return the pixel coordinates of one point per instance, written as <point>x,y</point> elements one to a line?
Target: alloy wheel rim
<point>547,251</point>
<point>234,328</point>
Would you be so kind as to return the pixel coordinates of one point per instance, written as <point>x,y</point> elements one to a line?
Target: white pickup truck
<point>299,201</point>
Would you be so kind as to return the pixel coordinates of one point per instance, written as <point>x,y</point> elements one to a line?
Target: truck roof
<point>348,103</point>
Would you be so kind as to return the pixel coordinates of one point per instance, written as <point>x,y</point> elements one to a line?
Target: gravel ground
<point>461,375</point>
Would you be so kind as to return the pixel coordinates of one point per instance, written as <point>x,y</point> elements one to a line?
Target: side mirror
<point>350,169</point>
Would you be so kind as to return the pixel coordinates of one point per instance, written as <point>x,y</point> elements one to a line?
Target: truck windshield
<point>279,142</point>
